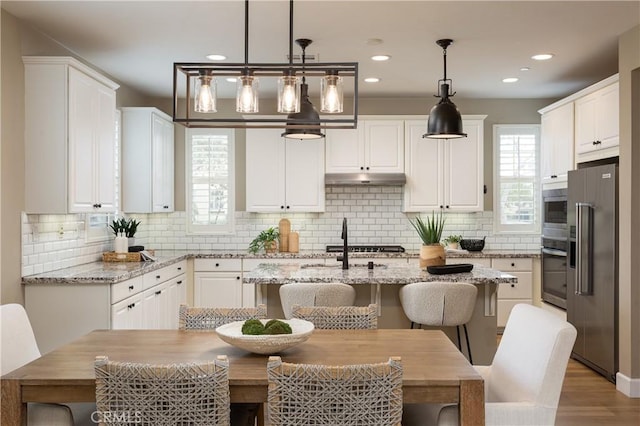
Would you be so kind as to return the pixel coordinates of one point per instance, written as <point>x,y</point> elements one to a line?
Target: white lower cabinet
<point>218,284</point>
<point>127,314</point>
<point>510,295</point>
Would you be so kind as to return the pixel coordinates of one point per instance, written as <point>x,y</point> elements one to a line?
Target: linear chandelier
<point>195,92</point>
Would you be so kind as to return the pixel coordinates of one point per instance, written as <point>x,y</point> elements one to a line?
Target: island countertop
<point>271,273</point>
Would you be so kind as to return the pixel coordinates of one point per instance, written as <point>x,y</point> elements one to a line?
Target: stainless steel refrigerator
<point>592,270</point>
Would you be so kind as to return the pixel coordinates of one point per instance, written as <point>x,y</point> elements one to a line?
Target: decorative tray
<point>450,269</point>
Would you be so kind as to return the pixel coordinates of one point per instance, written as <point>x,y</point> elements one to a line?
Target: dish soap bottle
<point>121,244</point>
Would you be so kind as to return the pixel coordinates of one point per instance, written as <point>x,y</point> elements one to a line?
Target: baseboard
<point>628,386</point>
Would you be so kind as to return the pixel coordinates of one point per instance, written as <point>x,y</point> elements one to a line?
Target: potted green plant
<point>430,232</point>
<point>266,240</point>
<point>452,241</point>
<point>128,227</point>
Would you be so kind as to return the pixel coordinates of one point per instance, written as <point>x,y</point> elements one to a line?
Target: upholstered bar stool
<point>315,294</point>
<point>440,304</point>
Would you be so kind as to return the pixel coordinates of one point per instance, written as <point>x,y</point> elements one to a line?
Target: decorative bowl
<point>265,344</point>
<point>472,244</point>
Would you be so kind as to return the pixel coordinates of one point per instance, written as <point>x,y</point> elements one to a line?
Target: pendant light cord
<point>291,32</point>
<point>444,58</point>
<point>246,32</point>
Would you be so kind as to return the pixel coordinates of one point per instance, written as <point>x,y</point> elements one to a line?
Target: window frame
<point>229,227</point>
<point>498,227</point>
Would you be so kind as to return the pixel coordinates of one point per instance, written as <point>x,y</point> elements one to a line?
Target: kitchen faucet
<point>345,249</point>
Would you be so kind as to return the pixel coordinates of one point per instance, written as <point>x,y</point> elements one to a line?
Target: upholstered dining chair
<point>19,347</point>
<point>315,294</point>
<point>339,317</point>
<point>207,319</point>
<point>192,318</point>
<point>190,393</point>
<point>303,394</point>
<point>523,383</point>
<point>440,304</point>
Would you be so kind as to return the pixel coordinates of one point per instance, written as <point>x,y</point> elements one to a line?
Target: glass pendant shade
<point>331,95</point>
<point>247,94</point>
<point>288,94</point>
<point>445,121</point>
<point>307,115</point>
<point>205,94</point>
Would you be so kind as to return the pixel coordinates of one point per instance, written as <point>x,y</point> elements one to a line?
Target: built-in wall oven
<point>555,240</point>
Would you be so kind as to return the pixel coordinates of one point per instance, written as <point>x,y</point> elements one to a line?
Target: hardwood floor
<point>588,399</point>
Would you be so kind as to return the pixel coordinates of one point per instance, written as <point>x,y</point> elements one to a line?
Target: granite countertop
<point>111,273</point>
<point>271,273</point>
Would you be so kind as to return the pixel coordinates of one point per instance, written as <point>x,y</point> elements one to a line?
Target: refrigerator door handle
<point>584,255</point>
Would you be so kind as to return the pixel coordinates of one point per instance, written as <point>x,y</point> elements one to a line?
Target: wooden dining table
<point>434,370</point>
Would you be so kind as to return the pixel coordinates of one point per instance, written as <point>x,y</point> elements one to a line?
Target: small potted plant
<point>128,227</point>
<point>430,232</point>
<point>452,241</point>
<point>266,240</point>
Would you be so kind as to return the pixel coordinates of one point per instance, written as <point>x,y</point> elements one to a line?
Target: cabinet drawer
<point>124,289</point>
<point>513,264</point>
<point>520,290</point>
<point>475,260</point>
<point>215,265</point>
<point>163,274</point>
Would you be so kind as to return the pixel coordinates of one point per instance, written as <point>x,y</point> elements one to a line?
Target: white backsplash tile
<point>374,215</point>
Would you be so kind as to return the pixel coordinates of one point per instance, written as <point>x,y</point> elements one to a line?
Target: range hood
<point>365,179</point>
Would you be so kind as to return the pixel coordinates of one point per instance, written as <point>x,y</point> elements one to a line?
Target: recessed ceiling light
<point>216,57</point>
<point>542,56</point>
<point>371,80</point>
<point>510,80</point>
<point>374,41</point>
<point>381,57</point>
<point>525,69</point>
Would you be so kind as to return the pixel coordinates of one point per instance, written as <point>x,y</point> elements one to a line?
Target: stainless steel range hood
<point>365,179</point>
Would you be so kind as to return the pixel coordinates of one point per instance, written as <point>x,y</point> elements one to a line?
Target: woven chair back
<point>212,318</point>
<point>175,394</point>
<point>366,394</point>
<point>438,303</point>
<point>339,317</point>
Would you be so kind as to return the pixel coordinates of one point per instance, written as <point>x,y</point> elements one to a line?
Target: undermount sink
<point>339,265</point>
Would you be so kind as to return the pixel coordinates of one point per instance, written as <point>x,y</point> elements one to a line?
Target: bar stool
<point>439,304</point>
<point>315,294</point>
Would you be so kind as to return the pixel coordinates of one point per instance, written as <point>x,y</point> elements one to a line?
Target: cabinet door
<point>106,150</point>
<point>265,170</point>
<point>383,146</point>
<point>128,314</point>
<point>218,289</point>
<point>345,150</point>
<point>304,176</point>
<point>163,164</point>
<point>83,109</point>
<point>155,301</point>
<point>608,115</point>
<point>556,144</point>
<point>464,180</point>
<point>424,169</point>
<point>175,295</point>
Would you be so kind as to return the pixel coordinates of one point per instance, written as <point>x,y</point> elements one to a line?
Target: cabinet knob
<point>237,278</point>
<point>361,168</point>
<point>441,206</point>
<point>554,176</point>
<point>130,287</point>
<point>165,207</point>
<point>179,268</point>
<point>447,206</point>
<point>513,264</point>
<point>179,282</point>
<point>367,167</point>
<point>157,277</point>
<point>158,292</point>
<point>217,264</point>
<point>287,206</point>
<point>282,207</point>
<point>513,285</point>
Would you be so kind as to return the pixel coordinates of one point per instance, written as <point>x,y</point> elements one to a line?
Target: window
<point>515,201</point>
<point>210,181</point>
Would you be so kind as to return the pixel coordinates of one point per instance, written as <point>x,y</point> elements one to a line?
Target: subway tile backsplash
<point>374,215</point>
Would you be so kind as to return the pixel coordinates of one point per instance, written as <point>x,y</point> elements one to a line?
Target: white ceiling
<point>137,42</point>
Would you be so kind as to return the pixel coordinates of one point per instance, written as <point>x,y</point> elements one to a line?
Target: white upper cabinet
<point>70,140</point>
<point>556,139</point>
<point>147,161</point>
<point>376,146</point>
<point>597,120</point>
<point>444,174</point>
<point>284,175</point>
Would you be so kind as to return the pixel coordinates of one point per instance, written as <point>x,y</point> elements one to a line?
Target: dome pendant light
<point>444,121</point>
<point>308,114</point>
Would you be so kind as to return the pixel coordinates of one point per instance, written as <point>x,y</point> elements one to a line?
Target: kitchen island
<point>380,285</point>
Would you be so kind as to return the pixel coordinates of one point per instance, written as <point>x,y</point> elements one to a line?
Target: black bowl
<point>472,244</point>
